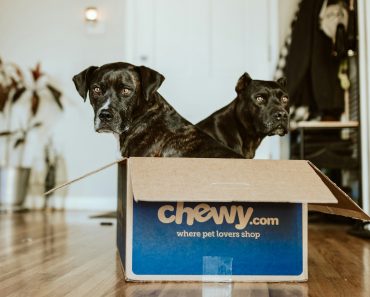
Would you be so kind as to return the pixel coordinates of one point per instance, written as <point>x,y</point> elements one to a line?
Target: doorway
<point>202,48</point>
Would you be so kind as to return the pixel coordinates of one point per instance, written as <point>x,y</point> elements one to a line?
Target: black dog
<point>260,109</point>
<point>126,102</point>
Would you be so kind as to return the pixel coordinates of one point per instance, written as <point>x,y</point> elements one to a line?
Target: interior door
<point>202,47</point>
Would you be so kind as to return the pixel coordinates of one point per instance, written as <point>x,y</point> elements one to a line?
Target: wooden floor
<point>68,254</point>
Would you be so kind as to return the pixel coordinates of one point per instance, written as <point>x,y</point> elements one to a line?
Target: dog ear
<point>243,82</point>
<point>282,81</point>
<point>82,81</point>
<point>151,80</point>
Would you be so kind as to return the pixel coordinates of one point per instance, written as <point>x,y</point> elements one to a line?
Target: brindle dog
<point>126,102</point>
<point>260,109</point>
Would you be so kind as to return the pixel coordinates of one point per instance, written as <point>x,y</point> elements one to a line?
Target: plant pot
<point>14,183</point>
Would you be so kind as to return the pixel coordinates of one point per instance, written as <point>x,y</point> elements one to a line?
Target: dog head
<point>117,92</point>
<point>266,103</point>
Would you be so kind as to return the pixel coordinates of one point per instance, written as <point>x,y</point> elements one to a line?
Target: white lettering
<point>243,218</point>
<point>162,214</point>
<point>224,214</point>
<point>180,211</point>
<point>203,212</point>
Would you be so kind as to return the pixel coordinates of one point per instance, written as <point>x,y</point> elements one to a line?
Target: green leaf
<point>6,133</point>
<point>18,142</point>
<point>56,95</point>
<point>35,102</point>
<point>18,93</point>
<point>36,125</point>
<point>36,72</point>
<point>4,94</point>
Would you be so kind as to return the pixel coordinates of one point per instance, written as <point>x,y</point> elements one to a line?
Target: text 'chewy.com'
<point>238,215</point>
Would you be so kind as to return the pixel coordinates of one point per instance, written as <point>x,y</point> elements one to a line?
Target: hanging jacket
<point>311,69</point>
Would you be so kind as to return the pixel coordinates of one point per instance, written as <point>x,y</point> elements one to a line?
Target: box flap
<point>198,179</point>
<point>345,207</point>
<point>85,175</point>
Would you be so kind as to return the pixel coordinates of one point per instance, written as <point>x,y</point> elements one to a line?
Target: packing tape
<point>218,290</point>
<point>217,268</point>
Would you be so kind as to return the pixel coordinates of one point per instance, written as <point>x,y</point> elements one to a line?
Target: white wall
<point>215,41</point>
<point>364,70</point>
<point>54,33</point>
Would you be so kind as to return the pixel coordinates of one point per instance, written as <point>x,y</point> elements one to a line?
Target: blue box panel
<point>185,239</point>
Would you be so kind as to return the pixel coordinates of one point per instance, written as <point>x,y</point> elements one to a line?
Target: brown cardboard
<point>148,232</point>
<point>345,207</point>
<point>226,180</point>
<point>295,181</point>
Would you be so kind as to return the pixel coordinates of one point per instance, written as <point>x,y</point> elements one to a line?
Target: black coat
<point>311,69</point>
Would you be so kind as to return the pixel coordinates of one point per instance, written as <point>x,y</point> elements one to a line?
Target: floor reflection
<point>67,254</point>
<point>214,290</point>
<point>366,268</point>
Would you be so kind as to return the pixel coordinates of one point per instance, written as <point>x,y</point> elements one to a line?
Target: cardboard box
<point>183,219</point>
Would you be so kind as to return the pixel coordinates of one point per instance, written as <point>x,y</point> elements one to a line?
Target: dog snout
<point>105,115</point>
<point>281,116</point>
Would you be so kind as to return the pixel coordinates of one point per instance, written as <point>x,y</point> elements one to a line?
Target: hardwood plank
<point>68,254</point>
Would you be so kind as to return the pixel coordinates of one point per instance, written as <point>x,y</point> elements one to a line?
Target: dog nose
<point>105,115</point>
<point>281,115</point>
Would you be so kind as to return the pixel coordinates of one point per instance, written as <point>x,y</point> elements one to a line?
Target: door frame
<point>278,149</point>
<point>130,36</point>
<point>364,71</point>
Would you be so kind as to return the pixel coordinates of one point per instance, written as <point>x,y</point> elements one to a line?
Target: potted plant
<point>14,175</point>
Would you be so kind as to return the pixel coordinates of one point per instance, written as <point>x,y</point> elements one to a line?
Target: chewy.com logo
<point>203,212</point>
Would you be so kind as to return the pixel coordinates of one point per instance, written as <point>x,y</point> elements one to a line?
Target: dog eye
<point>284,99</point>
<point>96,90</point>
<point>125,91</point>
<point>260,99</point>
